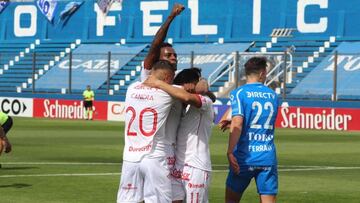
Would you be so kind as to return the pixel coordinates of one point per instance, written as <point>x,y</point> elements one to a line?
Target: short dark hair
<point>188,75</point>
<point>164,65</point>
<point>165,44</point>
<point>255,65</point>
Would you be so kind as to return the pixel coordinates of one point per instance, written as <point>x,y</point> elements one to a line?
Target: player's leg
<point>131,183</point>
<point>157,180</point>
<point>267,198</point>
<point>196,183</point>
<point>178,191</point>
<point>177,187</point>
<point>232,196</point>
<point>267,184</point>
<point>236,184</point>
<point>6,127</point>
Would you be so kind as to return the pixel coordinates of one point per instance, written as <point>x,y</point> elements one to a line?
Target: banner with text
<point>116,111</point>
<point>67,109</point>
<point>12,106</point>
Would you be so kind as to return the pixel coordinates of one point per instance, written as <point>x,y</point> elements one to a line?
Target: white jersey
<point>192,146</point>
<point>147,110</point>
<point>173,120</point>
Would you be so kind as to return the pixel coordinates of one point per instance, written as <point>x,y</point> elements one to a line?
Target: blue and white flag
<point>3,5</point>
<point>47,7</point>
<point>70,9</point>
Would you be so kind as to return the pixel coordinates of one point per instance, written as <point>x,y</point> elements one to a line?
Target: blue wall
<point>233,20</point>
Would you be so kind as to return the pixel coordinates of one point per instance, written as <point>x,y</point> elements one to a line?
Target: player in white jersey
<point>193,164</point>
<point>164,51</point>
<point>145,171</point>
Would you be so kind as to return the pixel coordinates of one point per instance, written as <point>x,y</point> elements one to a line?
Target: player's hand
<point>202,86</point>
<point>224,125</point>
<point>233,163</point>
<point>152,81</point>
<point>8,146</point>
<point>177,9</point>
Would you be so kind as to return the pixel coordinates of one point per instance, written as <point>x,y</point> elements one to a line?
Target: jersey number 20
<point>141,123</point>
<point>268,106</point>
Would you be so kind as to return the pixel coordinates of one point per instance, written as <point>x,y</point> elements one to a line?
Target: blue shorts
<point>266,178</point>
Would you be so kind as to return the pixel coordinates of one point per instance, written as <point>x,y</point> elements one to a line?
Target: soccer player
<point>88,95</point>
<point>193,164</point>
<point>164,51</point>
<point>160,50</point>
<point>145,170</point>
<point>6,123</point>
<point>251,151</point>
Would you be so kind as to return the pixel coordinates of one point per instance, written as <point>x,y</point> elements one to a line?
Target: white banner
<point>116,111</point>
<point>47,7</point>
<point>22,107</point>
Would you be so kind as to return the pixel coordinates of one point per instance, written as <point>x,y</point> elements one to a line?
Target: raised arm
<point>154,52</point>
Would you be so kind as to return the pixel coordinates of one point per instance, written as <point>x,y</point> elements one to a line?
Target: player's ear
<point>263,75</point>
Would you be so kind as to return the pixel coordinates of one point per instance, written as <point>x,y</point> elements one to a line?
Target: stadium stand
<point>306,54</point>
<point>319,84</point>
<point>90,67</point>
<point>11,56</point>
<point>208,34</point>
<point>19,72</point>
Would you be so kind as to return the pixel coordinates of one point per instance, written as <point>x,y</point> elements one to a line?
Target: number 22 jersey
<point>258,106</point>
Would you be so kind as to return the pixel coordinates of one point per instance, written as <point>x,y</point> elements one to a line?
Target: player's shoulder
<point>237,91</point>
<point>134,84</point>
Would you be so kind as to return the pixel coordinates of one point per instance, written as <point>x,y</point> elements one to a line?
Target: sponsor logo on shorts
<point>192,185</point>
<point>129,187</point>
<point>171,160</point>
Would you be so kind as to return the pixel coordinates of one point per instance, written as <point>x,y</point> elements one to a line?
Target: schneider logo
<point>326,120</point>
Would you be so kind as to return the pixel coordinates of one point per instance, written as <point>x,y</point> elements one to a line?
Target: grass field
<point>79,162</point>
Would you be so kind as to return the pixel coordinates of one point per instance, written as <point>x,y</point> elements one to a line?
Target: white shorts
<point>148,180</point>
<point>190,184</point>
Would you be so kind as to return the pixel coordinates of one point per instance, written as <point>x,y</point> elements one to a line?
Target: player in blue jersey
<point>251,151</point>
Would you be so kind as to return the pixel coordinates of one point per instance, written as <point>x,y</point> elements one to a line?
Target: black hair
<point>189,75</point>
<point>255,65</point>
<point>165,44</point>
<point>164,65</point>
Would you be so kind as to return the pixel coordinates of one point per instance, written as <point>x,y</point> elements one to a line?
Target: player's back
<point>192,146</point>
<point>258,105</point>
<point>146,112</point>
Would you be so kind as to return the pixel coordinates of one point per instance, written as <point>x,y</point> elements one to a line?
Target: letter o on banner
<point>25,31</point>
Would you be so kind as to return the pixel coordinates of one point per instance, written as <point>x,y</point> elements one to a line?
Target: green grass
<point>39,142</point>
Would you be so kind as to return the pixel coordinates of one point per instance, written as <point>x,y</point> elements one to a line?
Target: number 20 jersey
<point>258,106</point>
<point>146,112</point>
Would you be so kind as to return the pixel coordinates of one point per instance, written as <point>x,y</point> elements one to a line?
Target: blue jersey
<point>258,106</point>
